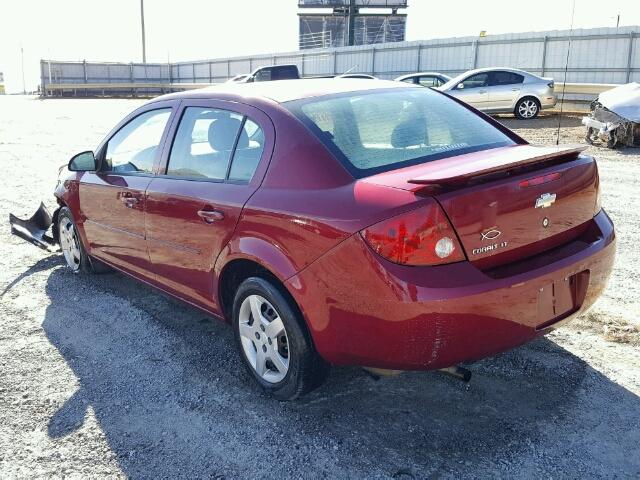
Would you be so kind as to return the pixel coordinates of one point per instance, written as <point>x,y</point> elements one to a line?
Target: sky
<point>178,30</point>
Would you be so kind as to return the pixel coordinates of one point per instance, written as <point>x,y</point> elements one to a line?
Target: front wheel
<point>72,248</point>
<point>527,108</point>
<point>273,340</point>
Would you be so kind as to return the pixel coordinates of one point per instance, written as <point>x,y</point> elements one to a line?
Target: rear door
<point>112,200</point>
<point>504,89</point>
<point>214,160</point>
<point>474,90</point>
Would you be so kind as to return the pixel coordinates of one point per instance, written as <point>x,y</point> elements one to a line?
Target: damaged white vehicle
<point>615,117</point>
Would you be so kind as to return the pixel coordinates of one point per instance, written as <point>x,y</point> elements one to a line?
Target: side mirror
<point>460,86</point>
<point>83,162</point>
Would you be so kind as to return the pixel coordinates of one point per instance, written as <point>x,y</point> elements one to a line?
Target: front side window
<point>133,148</point>
<point>383,130</point>
<point>215,144</point>
<point>476,81</point>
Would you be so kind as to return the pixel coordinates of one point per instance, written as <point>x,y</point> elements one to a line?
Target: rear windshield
<point>381,130</point>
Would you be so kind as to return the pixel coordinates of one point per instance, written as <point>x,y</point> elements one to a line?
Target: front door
<point>473,90</point>
<point>112,200</point>
<point>194,204</point>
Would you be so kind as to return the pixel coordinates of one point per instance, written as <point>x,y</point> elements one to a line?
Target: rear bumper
<point>363,310</point>
<point>548,101</point>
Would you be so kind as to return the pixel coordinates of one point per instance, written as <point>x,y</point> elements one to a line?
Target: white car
<point>425,79</point>
<point>503,90</point>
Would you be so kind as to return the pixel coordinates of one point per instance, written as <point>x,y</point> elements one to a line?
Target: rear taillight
<point>420,237</point>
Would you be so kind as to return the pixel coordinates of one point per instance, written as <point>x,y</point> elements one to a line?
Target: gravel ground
<point>103,377</point>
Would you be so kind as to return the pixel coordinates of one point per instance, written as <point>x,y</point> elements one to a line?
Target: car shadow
<point>171,396</point>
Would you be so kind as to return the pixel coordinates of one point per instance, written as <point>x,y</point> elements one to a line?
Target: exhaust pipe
<point>458,372</point>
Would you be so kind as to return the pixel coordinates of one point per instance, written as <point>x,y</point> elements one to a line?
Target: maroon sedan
<point>341,222</point>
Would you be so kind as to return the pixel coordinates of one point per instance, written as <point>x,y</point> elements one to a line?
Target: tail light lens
<point>420,237</point>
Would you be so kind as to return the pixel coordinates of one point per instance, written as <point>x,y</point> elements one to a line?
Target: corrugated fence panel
<point>599,55</point>
<point>354,61</point>
<point>237,67</point>
<point>318,64</point>
<point>527,56</point>
<point>392,61</point>
<point>447,59</point>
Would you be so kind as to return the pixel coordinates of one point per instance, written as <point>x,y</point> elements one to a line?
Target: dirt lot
<point>101,376</point>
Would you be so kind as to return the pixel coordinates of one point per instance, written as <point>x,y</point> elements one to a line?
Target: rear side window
<point>506,78</point>
<point>382,130</point>
<point>133,148</point>
<point>204,143</point>
<point>248,152</point>
<point>216,145</point>
<point>429,81</point>
<point>284,72</point>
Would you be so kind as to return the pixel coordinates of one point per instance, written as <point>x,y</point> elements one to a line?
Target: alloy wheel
<point>264,338</point>
<point>528,109</point>
<point>69,243</point>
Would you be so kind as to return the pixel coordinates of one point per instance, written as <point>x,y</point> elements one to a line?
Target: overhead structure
<point>339,23</point>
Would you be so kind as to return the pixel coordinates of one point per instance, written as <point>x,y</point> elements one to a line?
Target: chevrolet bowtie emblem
<point>545,200</point>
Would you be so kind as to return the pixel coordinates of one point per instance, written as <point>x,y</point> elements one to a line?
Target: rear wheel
<point>527,108</point>
<point>274,343</point>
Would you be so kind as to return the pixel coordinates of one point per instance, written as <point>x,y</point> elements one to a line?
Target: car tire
<point>277,350</point>
<point>73,250</point>
<point>527,108</point>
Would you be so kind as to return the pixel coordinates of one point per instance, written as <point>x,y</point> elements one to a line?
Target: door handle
<point>129,200</point>
<point>210,216</point>
<point>482,91</point>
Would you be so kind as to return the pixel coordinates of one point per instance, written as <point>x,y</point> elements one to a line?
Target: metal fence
<point>601,55</point>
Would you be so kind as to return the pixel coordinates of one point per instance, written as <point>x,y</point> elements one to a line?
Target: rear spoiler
<point>457,170</point>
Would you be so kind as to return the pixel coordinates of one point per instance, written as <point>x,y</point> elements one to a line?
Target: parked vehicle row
<point>339,222</point>
<point>491,90</point>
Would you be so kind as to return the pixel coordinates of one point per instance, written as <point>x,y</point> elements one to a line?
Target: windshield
<point>381,130</point>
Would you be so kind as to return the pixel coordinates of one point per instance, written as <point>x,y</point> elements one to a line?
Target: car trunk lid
<point>508,203</point>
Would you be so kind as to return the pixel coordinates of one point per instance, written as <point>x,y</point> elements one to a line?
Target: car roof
<point>282,91</point>
<point>420,74</point>
<point>458,78</point>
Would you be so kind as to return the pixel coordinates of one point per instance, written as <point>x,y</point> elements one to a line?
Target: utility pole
<point>24,88</point>
<point>351,22</point>
<point>144,47</point>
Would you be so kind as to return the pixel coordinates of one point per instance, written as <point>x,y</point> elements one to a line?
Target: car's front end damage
<point>40,229</point>
<point>615,117</point>
<point>34,229</point>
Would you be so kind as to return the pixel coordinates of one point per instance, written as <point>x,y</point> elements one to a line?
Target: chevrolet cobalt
<point>339,222</point>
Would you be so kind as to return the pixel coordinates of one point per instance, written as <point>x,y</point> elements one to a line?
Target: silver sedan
<point>503,90</point>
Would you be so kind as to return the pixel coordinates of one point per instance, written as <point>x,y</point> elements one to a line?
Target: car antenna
<point>566,68</point>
